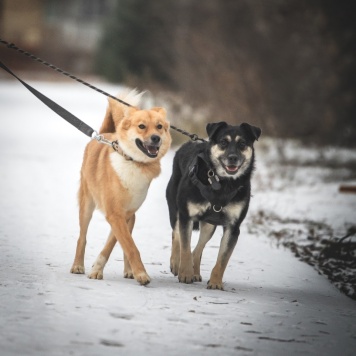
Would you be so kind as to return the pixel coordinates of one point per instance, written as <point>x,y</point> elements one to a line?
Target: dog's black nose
<point>155,139</point>
<point>232,159</point>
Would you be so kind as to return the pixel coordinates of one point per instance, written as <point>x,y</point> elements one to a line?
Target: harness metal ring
<point>216,210</point>
<point>211,173</point>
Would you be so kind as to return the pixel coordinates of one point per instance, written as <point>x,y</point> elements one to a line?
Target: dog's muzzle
<point>232,163</point>
<point>150,147</point>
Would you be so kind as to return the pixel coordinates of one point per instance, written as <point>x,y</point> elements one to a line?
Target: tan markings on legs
<point>97,271</point>
<point>127,267</point>
<point>122,233</point>
<point>206,232</point>
<point>185,272</point>
<point>175,254</point>
<point>225,251</point>
<point>86,208</point>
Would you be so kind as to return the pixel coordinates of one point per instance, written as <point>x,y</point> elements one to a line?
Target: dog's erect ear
<point>160,110</point>
<point>129,110</point>
<point>212,129</point>
<point>126,123</point>
<point>253,132</point>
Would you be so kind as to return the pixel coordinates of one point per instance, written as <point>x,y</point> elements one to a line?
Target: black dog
<point>210,184</point>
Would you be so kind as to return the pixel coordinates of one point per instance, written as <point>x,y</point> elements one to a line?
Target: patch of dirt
<point>315,244</point>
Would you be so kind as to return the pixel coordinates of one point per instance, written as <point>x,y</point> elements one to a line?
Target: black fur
<point>229,147</point>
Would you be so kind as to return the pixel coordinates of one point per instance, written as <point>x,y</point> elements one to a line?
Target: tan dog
<point>116,182</point>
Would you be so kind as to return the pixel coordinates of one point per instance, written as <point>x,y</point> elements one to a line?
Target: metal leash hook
<point>101,138</point>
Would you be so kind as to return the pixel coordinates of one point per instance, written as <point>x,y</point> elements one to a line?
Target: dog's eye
<point>159,127</point>
<point>242,145</point>
<point>142,126</point>
<point>223,143</point>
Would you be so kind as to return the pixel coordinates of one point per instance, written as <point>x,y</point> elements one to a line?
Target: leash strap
<point>71,76</point>
<point>193,137</point>
<point>59,110</point>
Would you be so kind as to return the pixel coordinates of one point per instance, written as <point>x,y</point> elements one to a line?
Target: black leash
<point>59,110</point>
<point>66,115</point>
<point>30,55</point>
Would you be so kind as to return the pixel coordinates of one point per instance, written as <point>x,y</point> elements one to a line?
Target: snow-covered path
<point>273,304</point>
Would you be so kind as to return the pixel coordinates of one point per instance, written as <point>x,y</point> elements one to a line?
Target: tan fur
<point>117,186</point>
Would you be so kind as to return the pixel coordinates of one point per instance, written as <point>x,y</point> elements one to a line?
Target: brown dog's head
<point>144,134</point>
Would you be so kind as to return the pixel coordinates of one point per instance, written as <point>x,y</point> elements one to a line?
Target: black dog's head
<point>231,148</point>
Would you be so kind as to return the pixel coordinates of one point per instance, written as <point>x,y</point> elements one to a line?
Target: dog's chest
<point>216,215</point>
<point>132,179</point>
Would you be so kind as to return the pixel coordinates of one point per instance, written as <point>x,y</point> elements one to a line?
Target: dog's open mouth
<point>150,150</point>
<point>231,169</point>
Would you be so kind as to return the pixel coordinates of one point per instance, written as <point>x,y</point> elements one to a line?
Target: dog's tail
<point>115,110</point>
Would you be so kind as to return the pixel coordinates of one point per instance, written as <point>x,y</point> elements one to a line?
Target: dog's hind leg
<point>227,245</point>
<point>86,208</point>
<point>185,272</point>
<point>127,267</point>
<point>206,232</point>
<point>122,233</point>
<point>97,271</point>
<point>175,254</point>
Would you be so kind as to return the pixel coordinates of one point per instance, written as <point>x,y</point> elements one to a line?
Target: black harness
<point>213,192</point>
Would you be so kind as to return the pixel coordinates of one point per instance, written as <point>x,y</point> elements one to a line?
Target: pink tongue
<point>231,168</point>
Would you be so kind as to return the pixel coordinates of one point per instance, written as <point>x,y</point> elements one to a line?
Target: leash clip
<point>101,139</point>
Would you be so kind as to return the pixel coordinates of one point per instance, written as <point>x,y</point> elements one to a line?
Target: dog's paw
<point>96,273</point>
<point>174,264</point>
<point>174,269</point>
<point>215,285</point>
<point>197,278</point>
<point>77,269</point>
<point>186,274</point>
<point>185,278</point>
<point>143,278</point>
<point>128,274</point>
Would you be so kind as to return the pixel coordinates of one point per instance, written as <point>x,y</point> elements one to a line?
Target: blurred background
<point>287,66</point>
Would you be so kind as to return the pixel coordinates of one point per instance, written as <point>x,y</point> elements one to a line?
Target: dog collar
<point>115,145</point>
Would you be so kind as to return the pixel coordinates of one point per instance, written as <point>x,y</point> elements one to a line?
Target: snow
<point>273,304</point>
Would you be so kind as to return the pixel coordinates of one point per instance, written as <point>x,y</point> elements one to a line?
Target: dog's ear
<point>161,111</point>
<point>129,110</point>
<point>213,128</point>
<point>126,123</point>
<point>252,132</point>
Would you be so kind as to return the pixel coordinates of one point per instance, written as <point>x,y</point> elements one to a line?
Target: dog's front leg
<point>175,254</point>
<point>97,271</point>
<point>206,232</point>
<point>122,233</point>
<point>227,245</point>
<point>185,272</point>
<point>86,208</point>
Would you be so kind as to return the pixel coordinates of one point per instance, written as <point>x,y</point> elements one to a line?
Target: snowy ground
<point>273,304</point>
